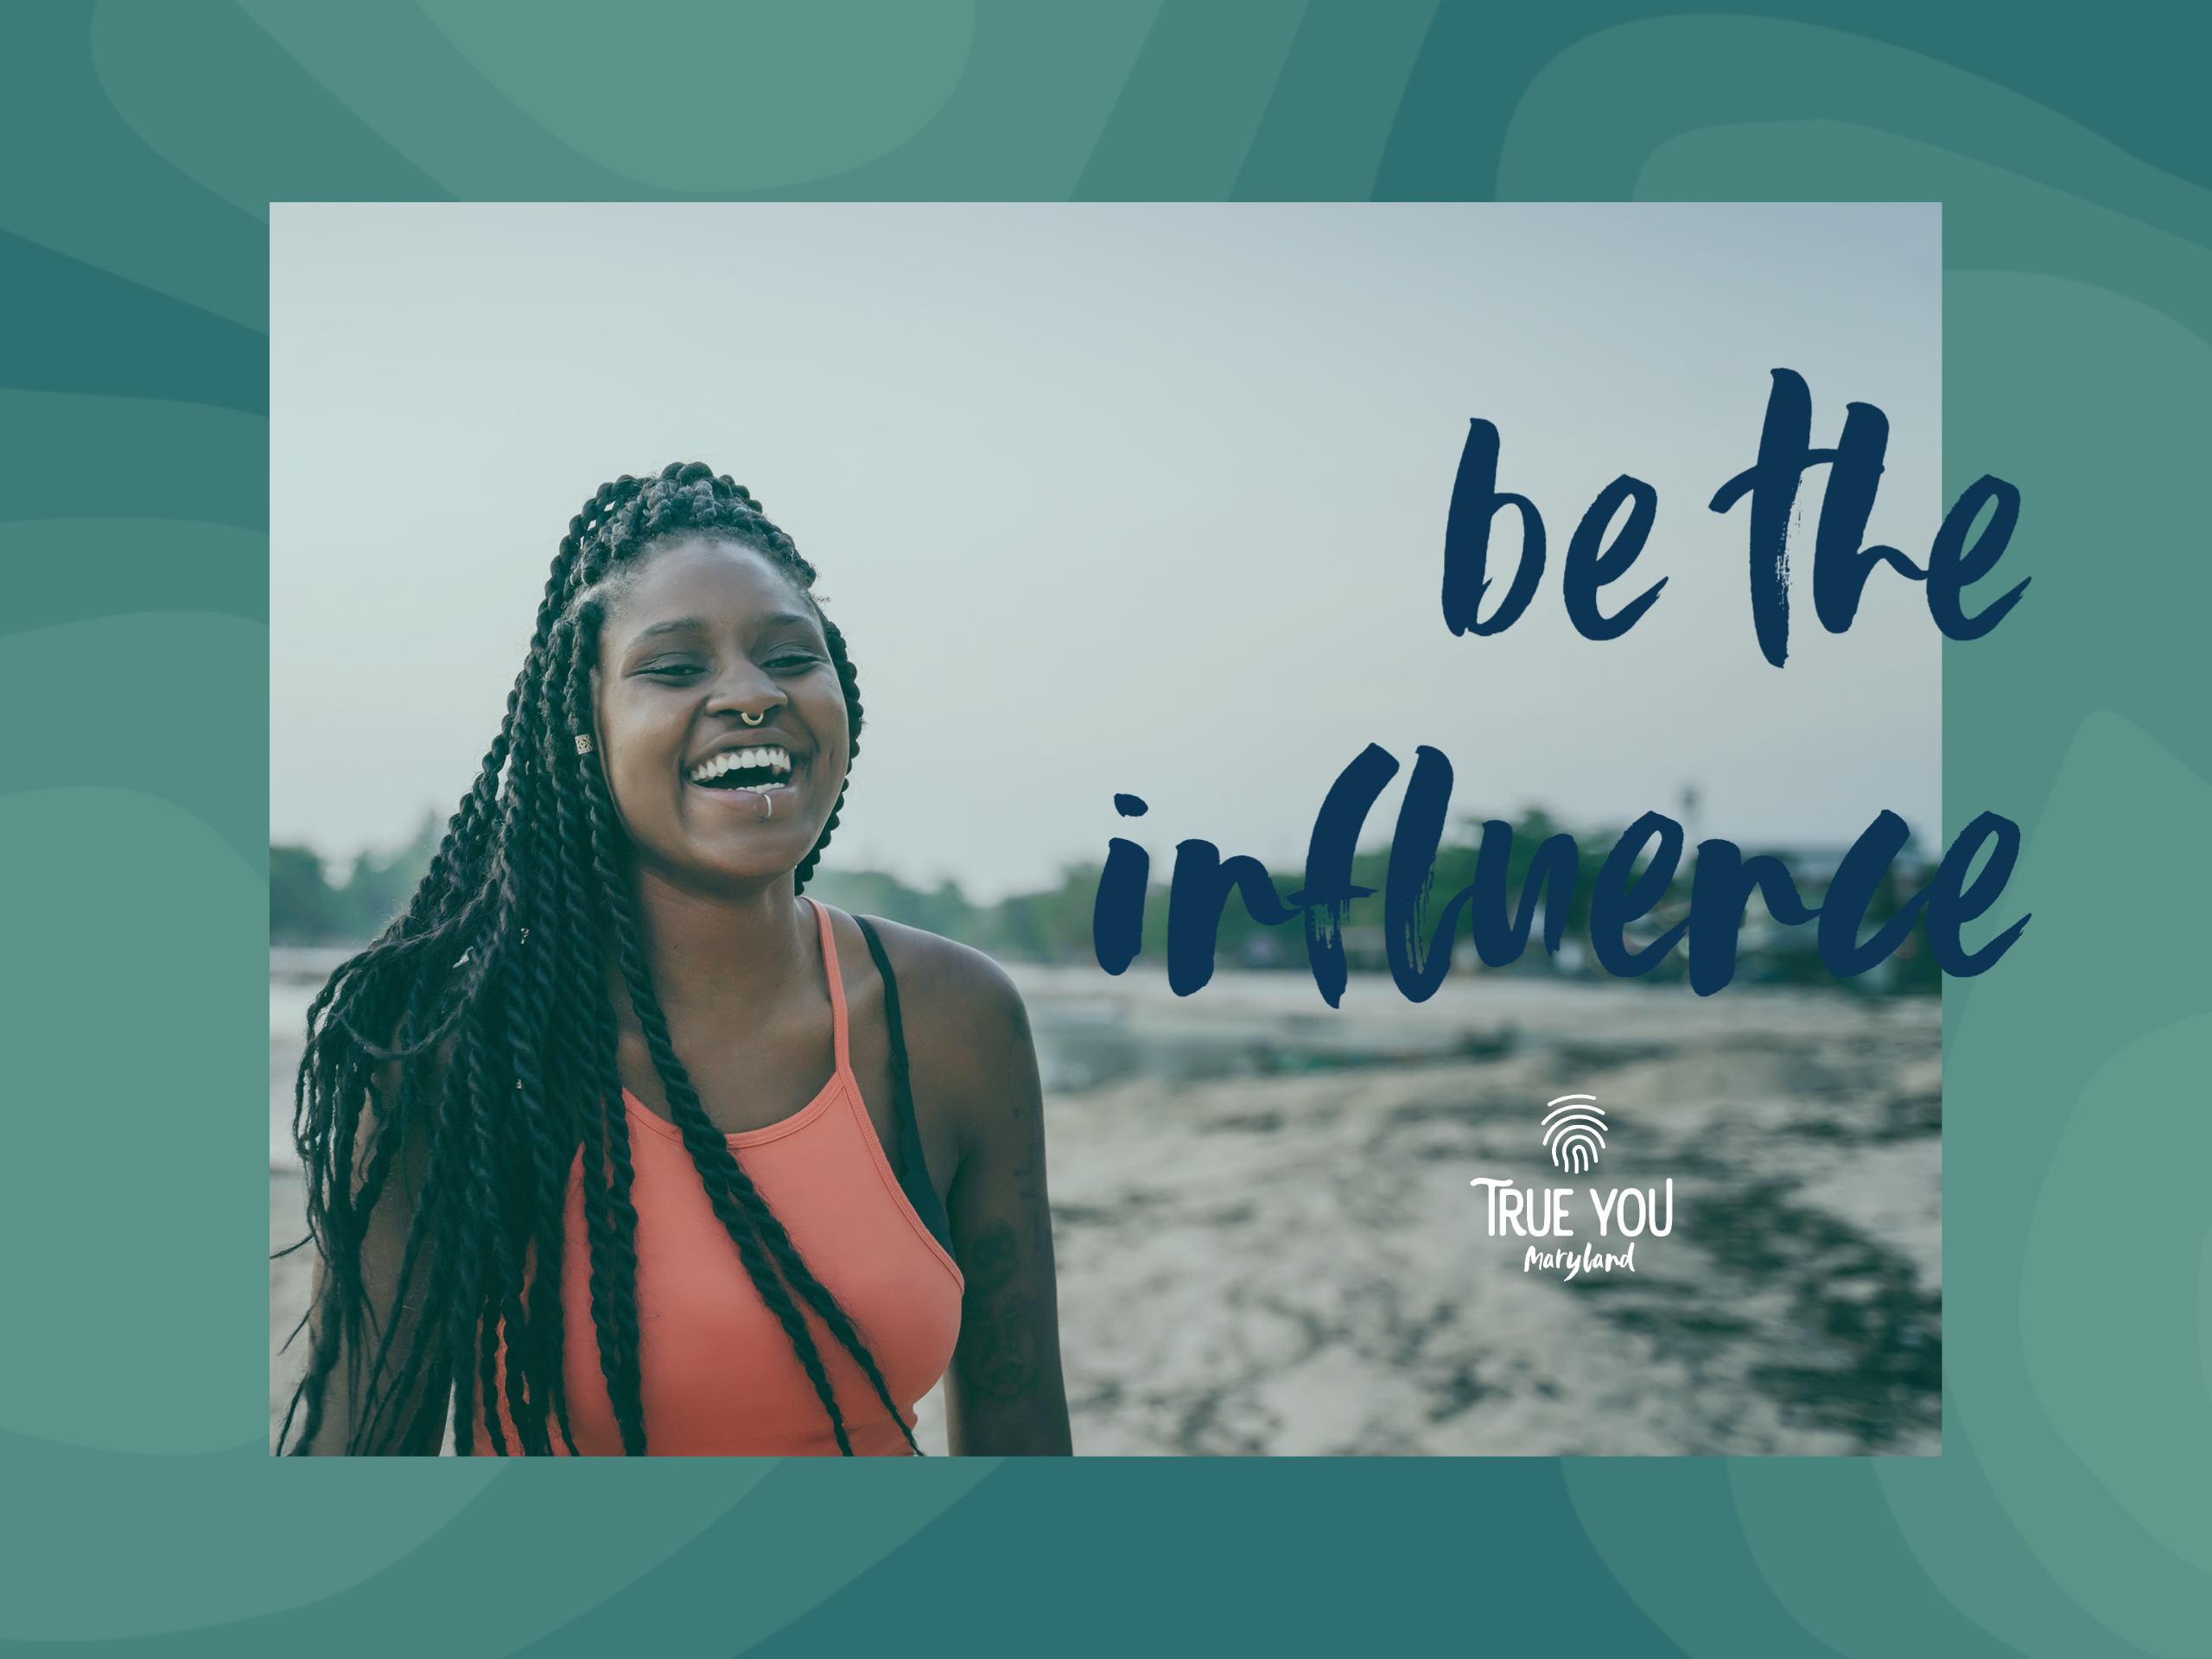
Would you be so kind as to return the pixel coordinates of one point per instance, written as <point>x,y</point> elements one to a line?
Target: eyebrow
<point>700,625</point>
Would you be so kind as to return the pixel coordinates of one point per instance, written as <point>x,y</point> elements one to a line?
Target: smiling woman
<point>613,1130</point>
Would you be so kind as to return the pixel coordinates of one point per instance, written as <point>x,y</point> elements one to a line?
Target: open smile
<point>744,768</point>
<point>765,769</point>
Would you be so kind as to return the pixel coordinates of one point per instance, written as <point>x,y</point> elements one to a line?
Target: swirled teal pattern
<point>146,140</point>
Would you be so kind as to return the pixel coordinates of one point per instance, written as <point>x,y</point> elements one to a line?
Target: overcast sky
<point>1146,499</point>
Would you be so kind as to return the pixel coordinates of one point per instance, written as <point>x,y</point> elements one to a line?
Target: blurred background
<point>1151,499</point>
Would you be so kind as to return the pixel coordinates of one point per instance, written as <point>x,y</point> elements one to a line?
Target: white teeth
<point>778,759</point>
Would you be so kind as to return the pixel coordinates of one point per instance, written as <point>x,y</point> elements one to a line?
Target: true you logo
<point>1572,1133</point>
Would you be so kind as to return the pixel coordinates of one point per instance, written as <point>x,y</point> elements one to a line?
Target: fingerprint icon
<point>1574,1129</point>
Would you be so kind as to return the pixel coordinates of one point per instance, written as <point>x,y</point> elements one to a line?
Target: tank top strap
<point>914,1174</point>
<point>837,1024</point>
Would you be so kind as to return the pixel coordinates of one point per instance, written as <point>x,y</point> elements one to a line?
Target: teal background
<point>138,1511</point>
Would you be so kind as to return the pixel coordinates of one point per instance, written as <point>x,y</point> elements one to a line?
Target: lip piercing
<point>767,808</point>
<point>752,720</point>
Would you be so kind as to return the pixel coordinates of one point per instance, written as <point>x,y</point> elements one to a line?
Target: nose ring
<point>752,720</point>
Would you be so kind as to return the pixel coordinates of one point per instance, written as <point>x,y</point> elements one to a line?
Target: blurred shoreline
<point>1267,1244</point>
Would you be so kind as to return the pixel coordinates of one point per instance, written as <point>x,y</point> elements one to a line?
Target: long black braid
<point>478,1038</point>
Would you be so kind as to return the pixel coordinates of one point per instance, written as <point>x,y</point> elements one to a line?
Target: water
<point>1267,1244</point>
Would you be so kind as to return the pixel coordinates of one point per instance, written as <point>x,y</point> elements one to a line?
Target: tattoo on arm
<point>998,1351</point>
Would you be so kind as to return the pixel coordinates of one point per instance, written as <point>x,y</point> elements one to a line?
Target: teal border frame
<point>146,137</point>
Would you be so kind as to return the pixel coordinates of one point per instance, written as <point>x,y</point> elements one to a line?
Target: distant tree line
<point>306,908</point>
<point>1054,926</point>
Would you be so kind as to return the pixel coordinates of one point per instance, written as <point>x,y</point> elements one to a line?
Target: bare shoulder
<point>967,1044</point>
<point>949,988</point>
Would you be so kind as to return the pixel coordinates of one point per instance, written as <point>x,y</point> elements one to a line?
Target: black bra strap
<point>914,1179</point>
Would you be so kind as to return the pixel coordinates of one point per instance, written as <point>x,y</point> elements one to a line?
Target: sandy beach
<point>1267,1243</point>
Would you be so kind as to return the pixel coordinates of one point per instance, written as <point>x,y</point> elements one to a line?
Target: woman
<point>615,1131</point>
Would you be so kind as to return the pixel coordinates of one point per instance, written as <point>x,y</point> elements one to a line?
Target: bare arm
<point>973,1064</point>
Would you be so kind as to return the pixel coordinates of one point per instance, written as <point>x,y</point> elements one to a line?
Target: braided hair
<point>487,999</point>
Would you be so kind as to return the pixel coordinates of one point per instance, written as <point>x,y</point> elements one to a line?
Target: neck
<point>708,949</point>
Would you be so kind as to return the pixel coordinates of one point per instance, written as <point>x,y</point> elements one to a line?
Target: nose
<point>747,693</point>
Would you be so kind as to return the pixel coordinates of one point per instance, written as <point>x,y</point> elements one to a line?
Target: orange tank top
<point>719,1375</point>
